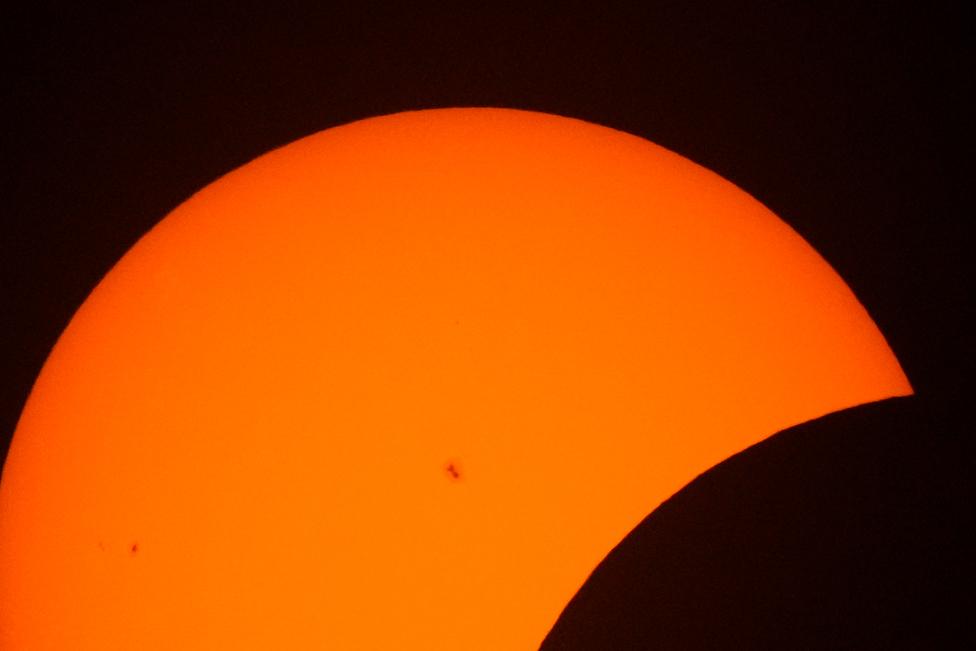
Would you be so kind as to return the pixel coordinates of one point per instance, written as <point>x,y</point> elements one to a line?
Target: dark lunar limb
<point>845,532</point>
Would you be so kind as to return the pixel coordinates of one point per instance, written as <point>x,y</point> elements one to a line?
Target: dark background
<point>847,120</point>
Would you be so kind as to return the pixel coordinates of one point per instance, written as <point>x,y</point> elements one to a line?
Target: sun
<point>403,384</point>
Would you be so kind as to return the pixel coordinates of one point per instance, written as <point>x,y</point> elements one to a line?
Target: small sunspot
<point>453,470</point>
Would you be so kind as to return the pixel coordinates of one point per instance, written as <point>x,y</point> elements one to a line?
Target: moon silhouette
<point>404,384</point>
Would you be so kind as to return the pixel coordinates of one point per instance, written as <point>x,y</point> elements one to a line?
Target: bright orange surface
<point>243,439</point>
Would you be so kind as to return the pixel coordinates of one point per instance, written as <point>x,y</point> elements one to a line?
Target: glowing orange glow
<point>403,384</point>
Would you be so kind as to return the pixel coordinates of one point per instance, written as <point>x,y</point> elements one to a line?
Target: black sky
<point>847,120</point>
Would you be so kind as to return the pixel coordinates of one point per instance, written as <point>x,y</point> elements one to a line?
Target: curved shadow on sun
<point>842,532</point>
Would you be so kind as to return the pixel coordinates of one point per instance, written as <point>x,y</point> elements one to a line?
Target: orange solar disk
<point>403,384</point>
